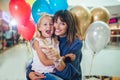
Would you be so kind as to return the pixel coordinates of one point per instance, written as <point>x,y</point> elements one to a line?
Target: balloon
<point>39,7</point>
<point>20,10</point>
<point>27,31</point>
<point>30,2</point>
<point>100,14</point>
<point>84,17</point>
<point>97,36</point>
<point>48,6</point>
<point>17,0</point>
<point>83,28</point>
<point>56,5</point>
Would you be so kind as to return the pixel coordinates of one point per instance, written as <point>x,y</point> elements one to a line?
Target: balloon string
<point>84,46</point>
<point>91,64</point>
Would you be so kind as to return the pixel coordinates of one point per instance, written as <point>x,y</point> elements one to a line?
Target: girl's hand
<point>51,52</point>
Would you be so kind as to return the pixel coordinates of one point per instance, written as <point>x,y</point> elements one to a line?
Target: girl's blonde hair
<point>42,15</point>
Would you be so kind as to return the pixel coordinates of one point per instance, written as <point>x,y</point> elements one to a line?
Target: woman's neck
<point>63,36</point>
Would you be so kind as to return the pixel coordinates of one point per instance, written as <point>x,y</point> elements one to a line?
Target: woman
<point>69,42</point>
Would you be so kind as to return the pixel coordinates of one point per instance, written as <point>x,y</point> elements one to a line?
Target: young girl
<point>44,39</point>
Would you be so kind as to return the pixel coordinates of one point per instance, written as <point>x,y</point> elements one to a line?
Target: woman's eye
<point>63,23</point>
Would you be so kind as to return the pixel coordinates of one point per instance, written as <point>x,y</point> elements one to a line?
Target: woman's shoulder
<point>77,43</point>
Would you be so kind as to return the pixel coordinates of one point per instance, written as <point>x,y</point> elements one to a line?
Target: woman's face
<point>60,28</point>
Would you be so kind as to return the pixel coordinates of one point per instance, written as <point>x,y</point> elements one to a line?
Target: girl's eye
<point>45,24</point>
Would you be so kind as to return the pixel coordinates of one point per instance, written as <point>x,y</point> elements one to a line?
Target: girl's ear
<point>39,28</point>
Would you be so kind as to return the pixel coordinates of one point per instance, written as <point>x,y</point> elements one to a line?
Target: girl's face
<point>60,28</point>
<point>46,26</point>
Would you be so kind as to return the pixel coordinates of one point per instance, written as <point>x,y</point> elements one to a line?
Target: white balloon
<point>97,36</point>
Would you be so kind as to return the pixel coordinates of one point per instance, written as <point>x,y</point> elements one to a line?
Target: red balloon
<point>18,0</point>
<point>20,10</point>
<point>27,31</point>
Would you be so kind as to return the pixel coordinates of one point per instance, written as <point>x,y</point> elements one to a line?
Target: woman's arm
<point>28,70</point>
<point>73,68</point>
<point>31,75</point>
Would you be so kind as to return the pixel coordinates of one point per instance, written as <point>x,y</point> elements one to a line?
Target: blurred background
<point>15,51</point>
<point>8,25</point>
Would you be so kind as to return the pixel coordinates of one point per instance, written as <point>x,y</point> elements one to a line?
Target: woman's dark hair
<point>67,17</point>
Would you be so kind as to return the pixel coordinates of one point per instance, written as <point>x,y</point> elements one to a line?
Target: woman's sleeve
<point>73,69</point>
<point>28,70</point>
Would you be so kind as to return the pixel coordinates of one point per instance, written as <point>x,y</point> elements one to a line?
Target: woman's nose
<point>56,25</point>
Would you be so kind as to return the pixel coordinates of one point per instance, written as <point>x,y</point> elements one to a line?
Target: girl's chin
<point>47,36</point>
<point>56,33</point>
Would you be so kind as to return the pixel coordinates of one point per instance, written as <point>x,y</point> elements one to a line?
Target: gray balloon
<point>97,36</point>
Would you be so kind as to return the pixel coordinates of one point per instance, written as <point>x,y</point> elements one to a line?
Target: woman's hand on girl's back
<point>36,76</point>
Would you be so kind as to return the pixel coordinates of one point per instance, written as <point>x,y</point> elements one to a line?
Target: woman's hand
<point>36,76</point>
<point>71,56</point>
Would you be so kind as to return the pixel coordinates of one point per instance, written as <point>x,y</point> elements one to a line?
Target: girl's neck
<point>42,37</point>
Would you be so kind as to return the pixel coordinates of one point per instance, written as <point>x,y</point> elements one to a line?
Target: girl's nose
<point>48,26</point>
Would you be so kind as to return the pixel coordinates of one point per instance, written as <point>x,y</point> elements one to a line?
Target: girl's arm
<point>43,58</point>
